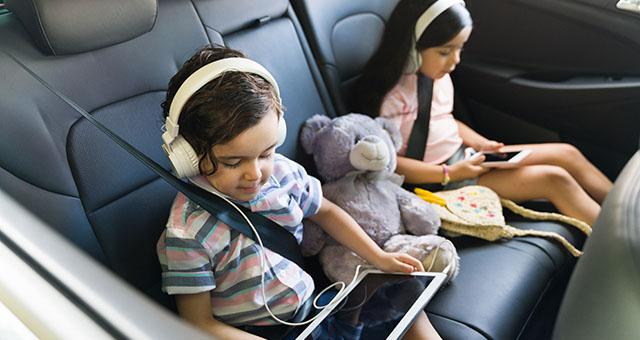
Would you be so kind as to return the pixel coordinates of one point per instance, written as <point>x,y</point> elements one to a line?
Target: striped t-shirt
<point>198,253</point>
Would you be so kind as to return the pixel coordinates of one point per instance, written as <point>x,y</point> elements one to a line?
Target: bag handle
<point>545,216</point>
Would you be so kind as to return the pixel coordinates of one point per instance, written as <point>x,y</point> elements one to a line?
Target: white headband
<point>431,13</point>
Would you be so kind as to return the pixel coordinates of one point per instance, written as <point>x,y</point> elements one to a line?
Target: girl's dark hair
<point>222,109</point>
<point>387,65</point>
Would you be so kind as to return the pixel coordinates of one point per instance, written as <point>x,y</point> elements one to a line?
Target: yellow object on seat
<point>477,211</point>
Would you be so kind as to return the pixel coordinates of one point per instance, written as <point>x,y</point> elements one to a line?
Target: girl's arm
<point>418,172</point>
<point>196,308</point>
<point>344,229</point>
<point>476,140</point>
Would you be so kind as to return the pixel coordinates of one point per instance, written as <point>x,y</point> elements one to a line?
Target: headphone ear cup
<point>414,61</point>
<point>183,158</point>
<point>282,131</point>
<point>418,58</point>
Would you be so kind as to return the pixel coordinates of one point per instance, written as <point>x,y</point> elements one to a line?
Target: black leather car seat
<point>343,35</point>
<point>115,60</point>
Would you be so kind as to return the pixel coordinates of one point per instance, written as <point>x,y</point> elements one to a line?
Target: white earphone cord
<point>333,302</point>
<point>435,256</point>
<point>341,291</point>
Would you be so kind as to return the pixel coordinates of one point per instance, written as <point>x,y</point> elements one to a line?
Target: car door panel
<point>569,67</point>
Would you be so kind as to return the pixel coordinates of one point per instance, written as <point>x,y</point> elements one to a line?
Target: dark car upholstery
<point>91,191</point>
<point>80,182</point>
<point>343,35</point>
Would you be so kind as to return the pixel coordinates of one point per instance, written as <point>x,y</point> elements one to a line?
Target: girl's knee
<point>550,182</point>
<point>569,149</point>
<point>557,177</point>
<point>567,153</point>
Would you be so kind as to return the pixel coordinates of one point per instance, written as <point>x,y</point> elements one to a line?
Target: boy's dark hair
<point>222,109</point>
<point>384,69</point>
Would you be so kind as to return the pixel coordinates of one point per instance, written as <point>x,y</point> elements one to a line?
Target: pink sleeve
<point>392,108</point>
<point>393,105</point>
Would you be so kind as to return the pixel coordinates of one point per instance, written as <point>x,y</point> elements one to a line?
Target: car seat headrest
<point>226,16</point>
<point>66,27</point>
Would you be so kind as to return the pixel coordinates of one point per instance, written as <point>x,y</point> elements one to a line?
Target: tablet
<point>504,159</point>
<point>382,305</point>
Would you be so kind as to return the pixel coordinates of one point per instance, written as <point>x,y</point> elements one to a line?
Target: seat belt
<point>418,138</point>
<point>417,143</point>
<point>274,236</point>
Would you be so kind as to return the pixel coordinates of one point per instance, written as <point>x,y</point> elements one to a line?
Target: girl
<point>232,123</point>
<point>429,36</point>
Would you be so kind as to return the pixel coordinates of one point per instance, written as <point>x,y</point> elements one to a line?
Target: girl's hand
<point>468,168</point>
<point>398,262</point>
<point>490,146</point>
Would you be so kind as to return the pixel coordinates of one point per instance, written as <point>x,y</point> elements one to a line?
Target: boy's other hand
<point>398,262</point>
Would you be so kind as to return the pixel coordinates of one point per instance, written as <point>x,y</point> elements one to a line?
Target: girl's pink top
<point>401,105</point>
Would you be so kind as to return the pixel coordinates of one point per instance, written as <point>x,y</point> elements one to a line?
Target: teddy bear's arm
<point>313,238</point>
<point>417,215</point>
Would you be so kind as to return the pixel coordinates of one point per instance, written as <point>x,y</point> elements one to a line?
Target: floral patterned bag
<point>477,211</point>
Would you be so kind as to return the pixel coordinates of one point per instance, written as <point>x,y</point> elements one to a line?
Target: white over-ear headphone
<point>415,59</point>
<point>183,158</point>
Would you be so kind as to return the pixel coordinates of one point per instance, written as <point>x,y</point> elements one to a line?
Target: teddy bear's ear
<point>310,131</point>
<point>393,130</point>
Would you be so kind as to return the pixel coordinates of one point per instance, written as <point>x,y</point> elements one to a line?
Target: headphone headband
<point>203,76</point>
<point>183,158</point>
<point>431,13</point>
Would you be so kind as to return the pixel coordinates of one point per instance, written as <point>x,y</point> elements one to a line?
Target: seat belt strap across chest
<point>420,132</point>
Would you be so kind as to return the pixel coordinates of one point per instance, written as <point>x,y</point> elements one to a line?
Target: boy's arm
<point>344,229</point>
<point>476,140</point>
<point>196,308</point>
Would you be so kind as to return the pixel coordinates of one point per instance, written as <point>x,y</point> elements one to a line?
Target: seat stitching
<point>41,27</point>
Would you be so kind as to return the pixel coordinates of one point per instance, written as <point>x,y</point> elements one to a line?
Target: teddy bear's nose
<point>372,147</point>
<point>370,153</point>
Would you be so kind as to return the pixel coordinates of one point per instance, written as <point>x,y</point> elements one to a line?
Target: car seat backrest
<point>344,35</point>
<point>69,27</point>
<point>68,173</point>
<point>602,300</point>
<point>267,34</point>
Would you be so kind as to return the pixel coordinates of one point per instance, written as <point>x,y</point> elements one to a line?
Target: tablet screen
<point>374,308</point>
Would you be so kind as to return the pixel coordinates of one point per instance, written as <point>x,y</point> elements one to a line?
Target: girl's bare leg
<point>422,329</point>
<point>568,157</point>
<point>543,182</point>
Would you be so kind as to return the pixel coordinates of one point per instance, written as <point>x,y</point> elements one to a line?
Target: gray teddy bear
<point>355,156</point>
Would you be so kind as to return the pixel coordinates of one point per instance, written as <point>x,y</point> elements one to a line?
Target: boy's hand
<point>398,262</point>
